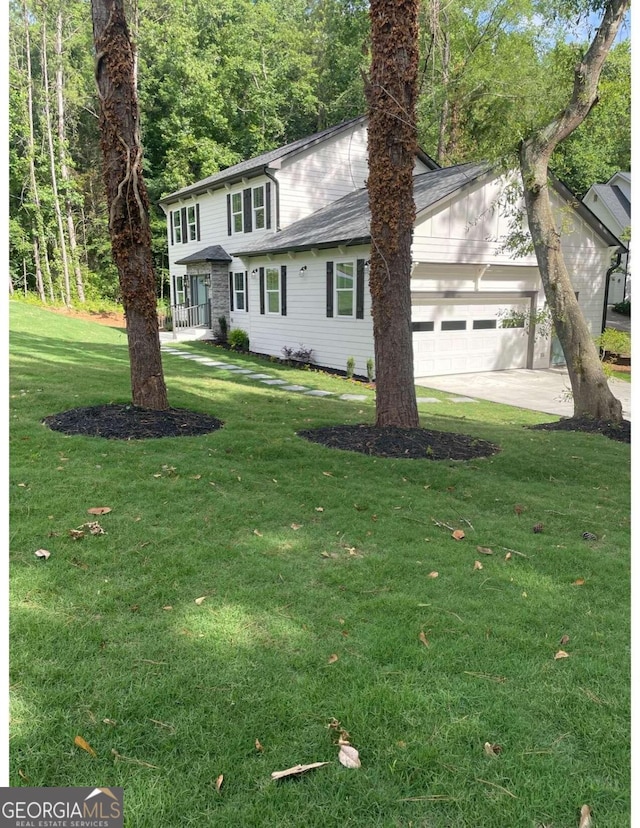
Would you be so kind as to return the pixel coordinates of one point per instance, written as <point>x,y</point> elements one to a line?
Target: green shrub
<point>371,369</point>
<point>614,342</point>
<point>239,340</point>
<point>623,307</point>
<point>223,325</point>
<point>351,367</point>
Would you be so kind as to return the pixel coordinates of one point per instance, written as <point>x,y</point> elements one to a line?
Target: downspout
<point>613,267</point>
<point>272,177</point>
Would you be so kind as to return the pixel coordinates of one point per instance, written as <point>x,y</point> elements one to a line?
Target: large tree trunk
<point>127,200</point>
<point>62,156</point>
<point>591,394</point>
<point>391,96</point>
<point>62,242</point>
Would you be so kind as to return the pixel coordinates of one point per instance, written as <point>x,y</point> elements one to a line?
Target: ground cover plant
<point>251,596</point>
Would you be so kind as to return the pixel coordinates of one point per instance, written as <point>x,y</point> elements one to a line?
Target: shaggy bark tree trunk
<point>127,199</point>
<point>591,394</point>
<point>391,97</point>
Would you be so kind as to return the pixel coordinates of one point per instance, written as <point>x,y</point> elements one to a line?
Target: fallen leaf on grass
<point>255,532</point>
<point>81,743</point>
<point>297,770</point>
<point>168,608</point>
<point>349,756</point>
<point>259,746</point>
<point>333,658</point>
<point>433,574</point>
<point>477,565</point>
<point>134,761</point>
<point>564,640</point>
<point>99,510</point>
<point>585,817</point>
<point>111,722</point>
<point>76,534</point>
<point>424,638</point>
<point>327,474</point>
<point>319,509</point>
<point>219,782</point>
<point>23,775</point>
<point>508,556</point>
<point>198,601</point>
<point>296,526</point>
<point>457,534</point>
<point>484,550</point>
<point>518,509</point>
<point>578,582</point>
<point>42,553</point>
<point>538,528</point>
<point>561,654</point>
<point>492,750</point>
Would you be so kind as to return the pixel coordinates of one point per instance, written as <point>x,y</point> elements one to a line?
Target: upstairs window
<point>345,272</point>
<point>177,227</point>
<point>258,208</point>
<point>236,212</point>
<point>192,225</point>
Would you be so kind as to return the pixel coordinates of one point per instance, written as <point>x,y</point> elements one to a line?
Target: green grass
<point>108,643</point>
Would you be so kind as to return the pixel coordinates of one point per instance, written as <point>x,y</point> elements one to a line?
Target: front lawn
<point>249,590</point>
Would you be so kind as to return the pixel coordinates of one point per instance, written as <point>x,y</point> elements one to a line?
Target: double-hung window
<point>239,291</point>
<point>177,227</point>
<point>345,282</point>
<point>258,208</point>
<point>192,227</point>
<point>179,290</point>
<point>272,289</point>
<point>236,212</point>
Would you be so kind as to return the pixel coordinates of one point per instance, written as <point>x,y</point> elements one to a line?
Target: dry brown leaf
<point>319,509</point>
<point>424,638</point>
<point>585,817</point>
<point>219,782</point>
<point>564,640</point>
<point>492,750</point>
<point>42,553</point>
<point>327,474</point>
<point>81,743</point>
<point>168,608</point>
<point>295,526</point>
<point>484,550</point>
<point>349,756</point>
<point>508,556</point>
<point>561,654</point>
<point>99,510</point>
<point>457,534</point>
<point>477,565</point>
<point>578,582</point>
<point>255,532</point>
<point>433,574</point>
<point>76,534</point>
<point>259,746</point>
<point>333,658</point>
<point>23,775</point>
<point>111,722</point>
<point>518,509</point>
<point>198,601</point>
<point>297,770</point>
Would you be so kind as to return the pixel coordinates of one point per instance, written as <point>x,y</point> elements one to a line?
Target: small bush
<point>239,340</point>
<point>351,367</point>
<point>614,342</point>
<point>623,307</point>
<point>300,354</point>
<point>223,325</point>
<point>371,369</point>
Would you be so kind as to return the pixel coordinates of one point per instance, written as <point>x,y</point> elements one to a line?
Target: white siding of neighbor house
<point>306,324</point>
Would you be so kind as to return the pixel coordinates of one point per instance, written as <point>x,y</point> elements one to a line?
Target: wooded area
<point>219,81</point>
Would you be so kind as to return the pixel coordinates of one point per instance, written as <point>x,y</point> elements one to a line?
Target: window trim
<point>236,213</point>
<point>179,291</point>
<point>242,292</point>
<point>261,209</point>
<point>337,290</point>
<point>177,227</point>
<point>268,292</point>
<point>192,226</point>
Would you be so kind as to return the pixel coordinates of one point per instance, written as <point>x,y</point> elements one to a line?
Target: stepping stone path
<point>282,385</point>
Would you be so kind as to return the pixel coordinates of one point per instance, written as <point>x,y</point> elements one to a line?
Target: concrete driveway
<point>541,390</point>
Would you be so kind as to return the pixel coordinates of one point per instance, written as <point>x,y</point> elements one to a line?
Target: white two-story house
<point>279,245</point>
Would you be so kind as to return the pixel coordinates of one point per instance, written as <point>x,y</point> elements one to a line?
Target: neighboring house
<point>611,203</point>
<point>279,245</point>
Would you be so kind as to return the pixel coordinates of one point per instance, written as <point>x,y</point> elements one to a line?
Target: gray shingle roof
<point>615,201</point>
<point>214,253</point>
<point>347,220</point>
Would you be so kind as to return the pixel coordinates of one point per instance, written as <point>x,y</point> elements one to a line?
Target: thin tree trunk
<point>592,396</point>
<point>127,199</point>
<point>391,95</point>
<point>62,155</point>
<point>444,109</point>
<point>38,237</point>
<point>62,242</point>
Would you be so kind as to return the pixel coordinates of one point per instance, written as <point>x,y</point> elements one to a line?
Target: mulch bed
<point>129,422</point>
<point>614,431</point>
<point>406,443</point>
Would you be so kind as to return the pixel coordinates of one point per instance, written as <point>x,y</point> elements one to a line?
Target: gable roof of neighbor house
<point>614,200</point>
<point>588,215</point>
<point>214,253</point>
<point>347,220</point>
<point>255,166</point>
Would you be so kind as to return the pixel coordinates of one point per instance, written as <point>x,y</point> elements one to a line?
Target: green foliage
<point>371,369</point>
<point>223,325</point>
<point>238,339</point>
<point>613,341</point>
<point>351,367</point>
<point>541,318</point>
<point>623,307</point>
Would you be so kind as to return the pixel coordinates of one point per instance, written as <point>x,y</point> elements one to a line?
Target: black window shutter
<point>283,290</point>
<point>183,219</point>
<point>171,224</point>
<point>246,199</point>
<point>267,198</point>
<point>231,291</point>
<point>262,290</point>
<point>329,288</point>
<point>246,290</point>
<point>360,289</point>
<point>197,222</point>
<point>228,214</point>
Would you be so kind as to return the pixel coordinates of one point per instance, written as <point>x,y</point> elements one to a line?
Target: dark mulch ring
<point>409,443</point>
<point>129,422</point>
<point>614,431</point>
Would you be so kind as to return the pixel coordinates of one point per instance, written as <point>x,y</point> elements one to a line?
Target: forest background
<point>224,80</point>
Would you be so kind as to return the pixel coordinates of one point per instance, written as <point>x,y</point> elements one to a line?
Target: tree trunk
<point>391,96</point>
<point>444,109</point>
<point>127,200</point>
<point>62,156</point>
<point>591,394</point>
<point>62,242</point>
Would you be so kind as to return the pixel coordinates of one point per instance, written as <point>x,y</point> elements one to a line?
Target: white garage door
<point>458,338</point>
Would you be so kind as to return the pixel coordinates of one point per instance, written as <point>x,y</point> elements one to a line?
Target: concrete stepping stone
<point>427,399</point>
<point>353,397</point>
<point>213,364</point>
<point>461,399</point>
<point>244,371</point>
<point>294,387</point>
<point>191,356</point>
<point>259,376</point>
<point>274,382</point>
<point>319,393</point>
